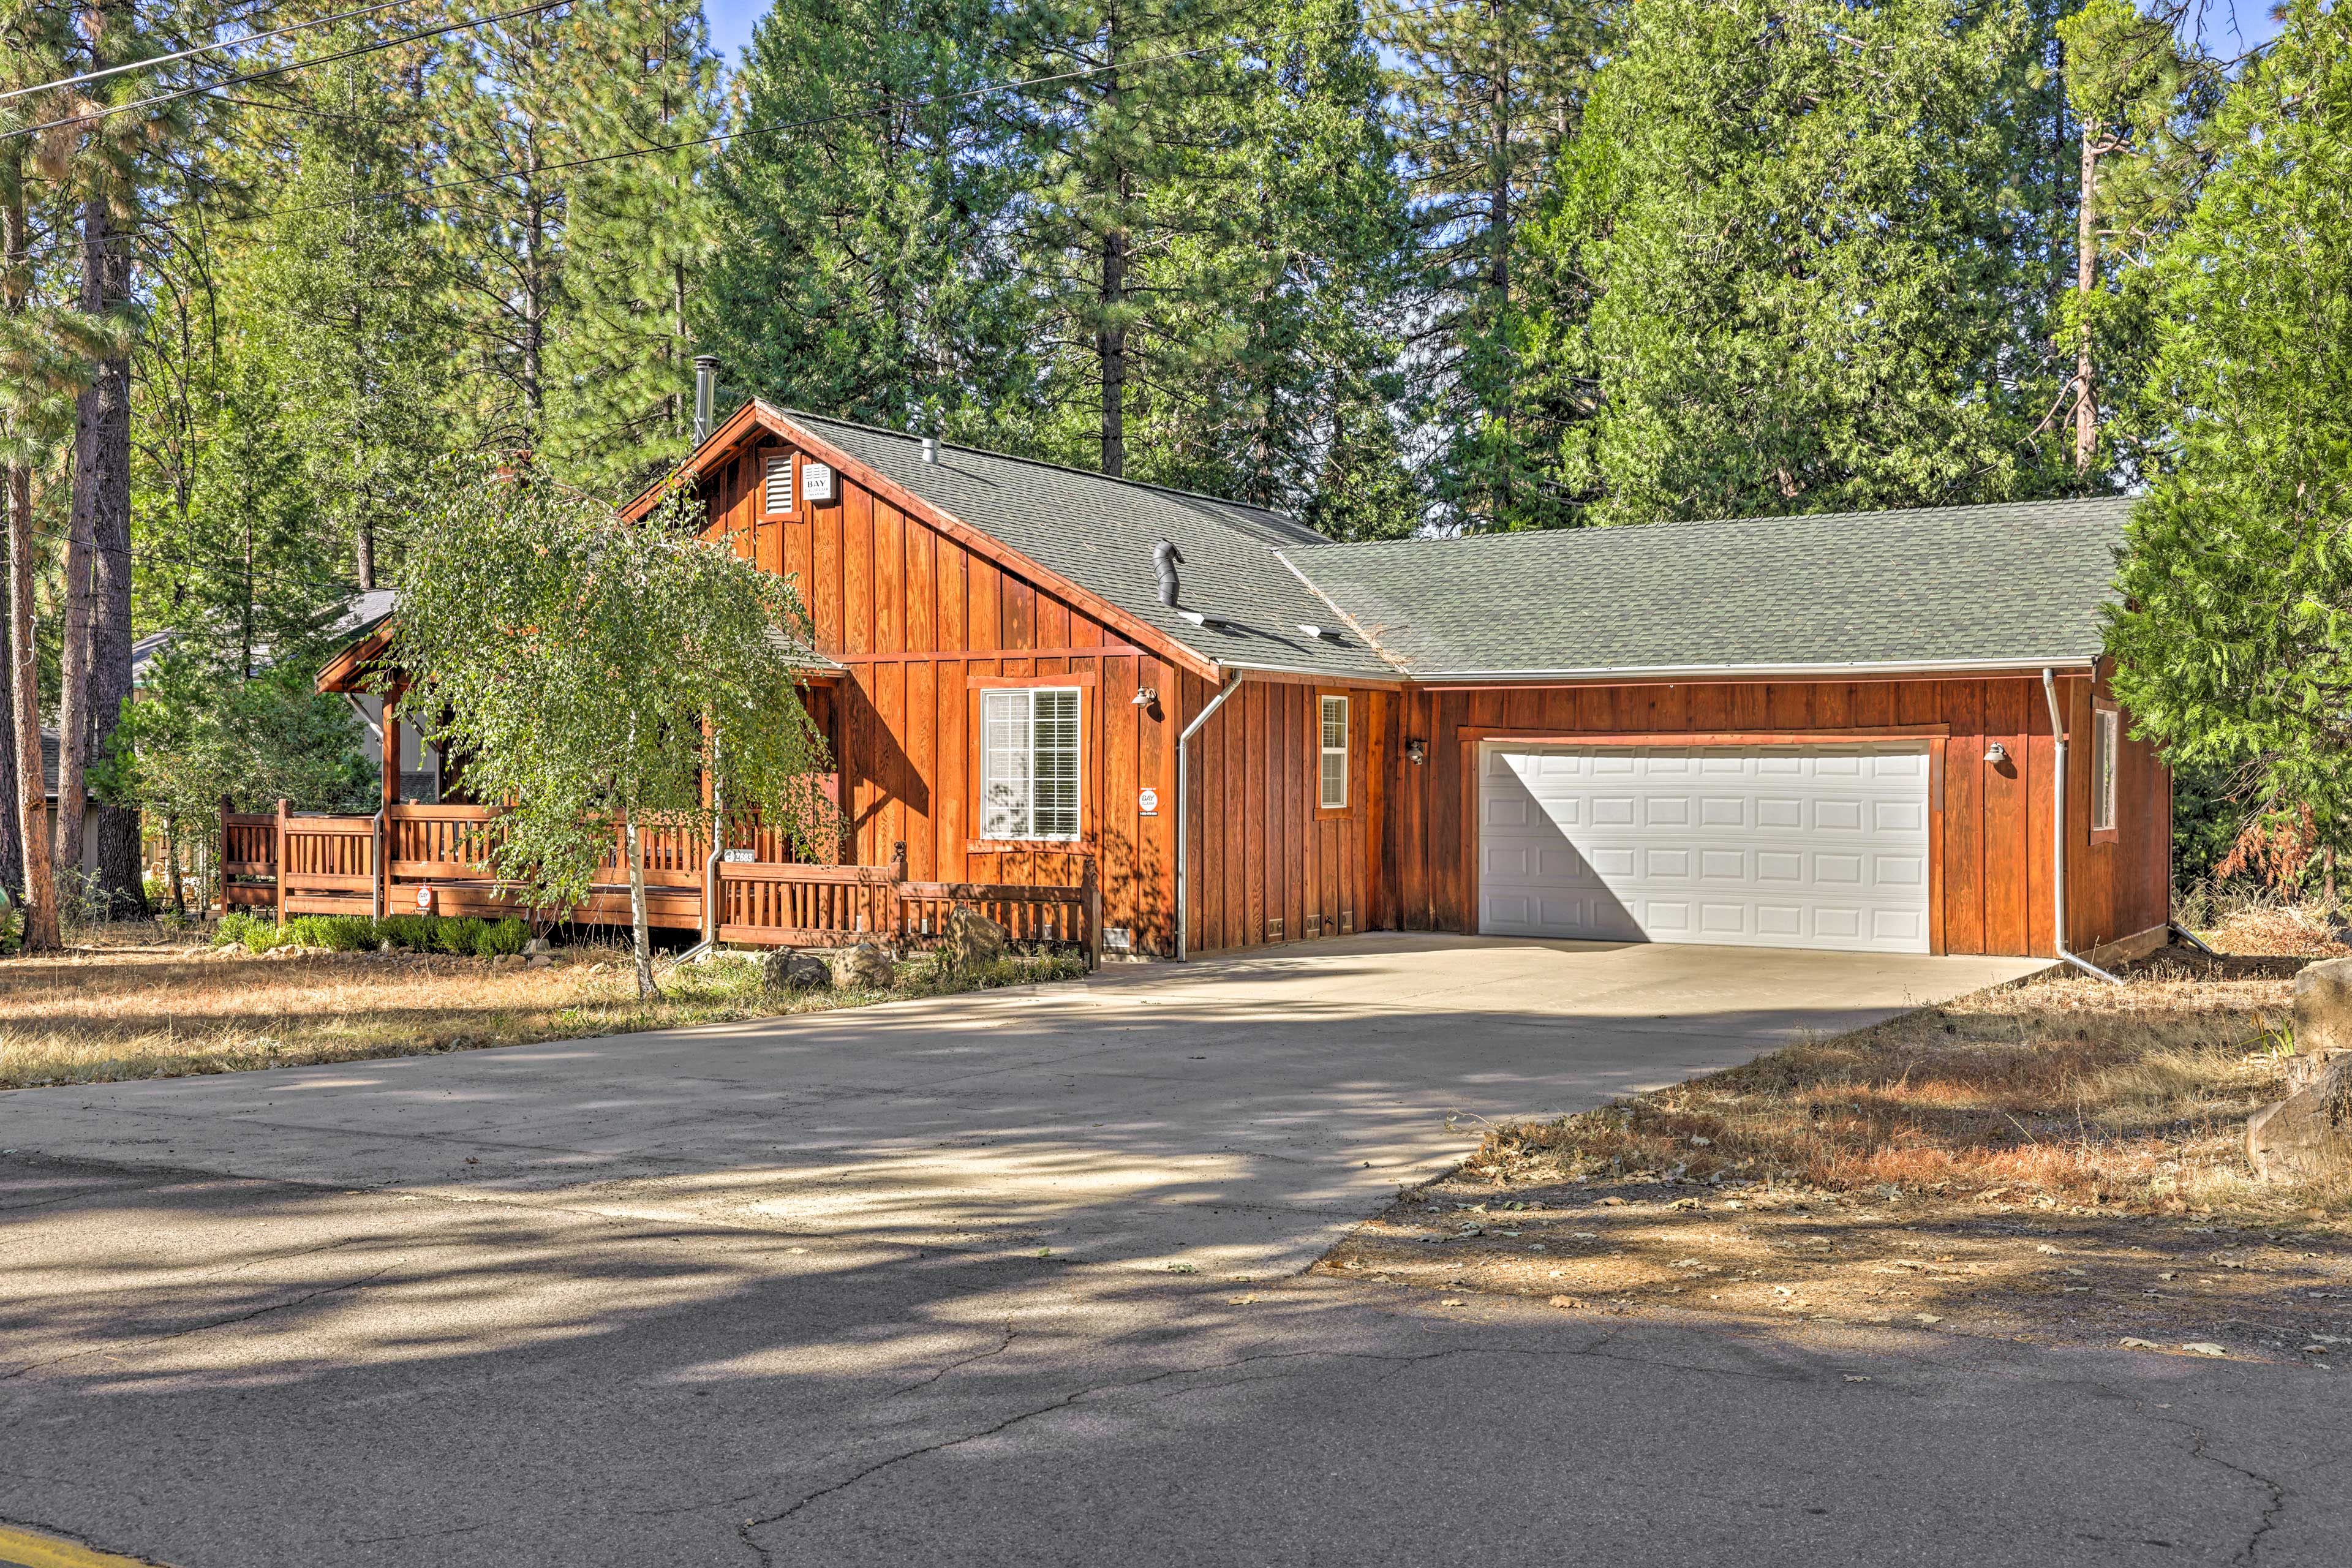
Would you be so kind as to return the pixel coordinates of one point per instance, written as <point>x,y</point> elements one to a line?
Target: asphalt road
<point>912,1287</point>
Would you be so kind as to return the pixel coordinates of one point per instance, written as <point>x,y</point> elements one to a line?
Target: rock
<point>2308,1136</point>
<point>536,946</point>
<point>2322,1006</point>
<point>864,966</point>
<point>786,970</point>
<point>974,940</point>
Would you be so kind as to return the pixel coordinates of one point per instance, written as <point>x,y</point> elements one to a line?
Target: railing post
<point>897,897</point>
<point>1093,916</point>
<point>225,814</point>
<point>285,809</point>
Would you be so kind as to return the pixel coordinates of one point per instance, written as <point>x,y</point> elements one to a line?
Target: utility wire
<point>161,99</point>
<point>203,49</point>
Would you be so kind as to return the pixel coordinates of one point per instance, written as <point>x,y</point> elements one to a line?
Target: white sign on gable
<point>816,481</point>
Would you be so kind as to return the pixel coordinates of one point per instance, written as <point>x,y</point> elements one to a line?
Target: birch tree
<point>595,672</point>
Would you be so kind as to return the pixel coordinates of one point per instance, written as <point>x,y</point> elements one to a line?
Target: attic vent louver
<point>780,484</point>
<point>1165,558</point>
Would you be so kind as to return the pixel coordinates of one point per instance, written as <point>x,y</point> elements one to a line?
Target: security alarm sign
<point>1148,803</point>
<point>424,899</point>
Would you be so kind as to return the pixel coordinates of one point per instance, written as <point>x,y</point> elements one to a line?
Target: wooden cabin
<point>1837,731</point>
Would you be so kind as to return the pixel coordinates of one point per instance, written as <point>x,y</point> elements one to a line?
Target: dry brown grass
<point>2061,1160</point>
<point>155,1010</point>
<point>2058,1091</point>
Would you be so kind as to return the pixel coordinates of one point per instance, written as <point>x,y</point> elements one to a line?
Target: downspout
<point>2058,837</point>
<point>1184,816</point>
<point>710,883</point>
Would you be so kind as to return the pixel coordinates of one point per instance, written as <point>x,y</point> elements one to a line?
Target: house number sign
<point>1148,803</point>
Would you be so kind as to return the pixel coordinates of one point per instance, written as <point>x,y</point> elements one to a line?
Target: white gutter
<point>1654,671</point>
<point>2058,836</point>
<point>1184,816</point>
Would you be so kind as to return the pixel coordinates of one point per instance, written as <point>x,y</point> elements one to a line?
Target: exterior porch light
<point>1996,753</point>
<point>1416,751</point>
<point>1144,697</point>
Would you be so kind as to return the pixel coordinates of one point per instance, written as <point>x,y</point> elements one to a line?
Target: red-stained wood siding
<point>921,621</point>
<point>1992,840</point>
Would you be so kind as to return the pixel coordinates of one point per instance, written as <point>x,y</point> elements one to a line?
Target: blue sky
<point>731,22</point>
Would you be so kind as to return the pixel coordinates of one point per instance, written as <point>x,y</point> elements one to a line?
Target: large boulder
<point>974,940</point>
<point>786,970</point>
<point>2308,1136</point>
<point>864,966</point>
<point>2323,1008</point>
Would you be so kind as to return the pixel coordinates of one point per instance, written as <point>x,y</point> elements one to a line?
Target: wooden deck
<point>432,859</point>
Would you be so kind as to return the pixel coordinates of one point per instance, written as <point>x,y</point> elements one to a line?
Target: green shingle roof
<point>1099,533</point>
<point>2017,583</point>
<point>1948,586</point>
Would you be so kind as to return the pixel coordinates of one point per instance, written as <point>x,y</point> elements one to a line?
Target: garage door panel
<point>1770,845</point>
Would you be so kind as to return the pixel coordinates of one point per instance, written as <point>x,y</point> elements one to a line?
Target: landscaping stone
<point>786,969</point>
<point>536,946</point>
<point>866,966</point>
<point>974,940</point>
<point>2323,1008</point>
<point>2306,1137</point>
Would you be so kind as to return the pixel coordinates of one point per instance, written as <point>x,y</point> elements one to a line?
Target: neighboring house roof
<point>1945,587</point>
<point>1099,533</point>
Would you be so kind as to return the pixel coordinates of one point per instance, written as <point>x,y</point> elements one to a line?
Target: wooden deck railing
<point>314,863</point>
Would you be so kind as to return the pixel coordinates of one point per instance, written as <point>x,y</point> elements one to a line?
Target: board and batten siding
<point>923,624</point>
<point>1989,831</point>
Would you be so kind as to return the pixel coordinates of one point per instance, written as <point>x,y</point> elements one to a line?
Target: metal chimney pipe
<point>930,448</point>
<point>706,394</point>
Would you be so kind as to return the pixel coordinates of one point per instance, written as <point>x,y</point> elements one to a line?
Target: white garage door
<point>1754,846</point>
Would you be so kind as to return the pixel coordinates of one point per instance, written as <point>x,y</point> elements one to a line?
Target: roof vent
<point>706,395</point>
<point>1165,558</point>
<point>930,448</point>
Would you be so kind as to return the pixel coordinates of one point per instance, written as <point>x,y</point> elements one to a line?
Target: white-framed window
<point>1333,724</point>
<point>2106,735</point>
<point>777,482</point>
<point>1029,763</point>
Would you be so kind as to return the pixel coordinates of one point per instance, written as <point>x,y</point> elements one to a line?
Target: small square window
<point>1333,794</point>
<point>2106,735</point>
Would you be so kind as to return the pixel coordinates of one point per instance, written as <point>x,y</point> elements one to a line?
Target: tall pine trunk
<point>2086,282</point>
<point>24,675</point>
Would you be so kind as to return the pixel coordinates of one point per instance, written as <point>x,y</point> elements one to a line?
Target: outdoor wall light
<point>1996,753</point>
<point>1416,751</point>
<point>1145,697</point>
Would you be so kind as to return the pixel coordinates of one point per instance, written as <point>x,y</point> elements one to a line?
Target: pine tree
<point>638,234</point>
<point>1495,95</point>
<point>1213,237</point>
<point>2139,98</point>
<point>863,207</point>
<point>1821,282</point>
<point>340,297</point>
<point>2234,645</point>
<point>507,99</point>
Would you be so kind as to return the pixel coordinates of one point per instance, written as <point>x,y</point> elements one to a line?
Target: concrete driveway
<point>957,1283</point>
<point>1229,1115</point>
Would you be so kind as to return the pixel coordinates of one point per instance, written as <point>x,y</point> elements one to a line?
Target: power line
<point>202,50</point>
<point>161,99</point>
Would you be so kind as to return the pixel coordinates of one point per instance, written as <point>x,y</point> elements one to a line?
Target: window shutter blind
<point>1055,749</point>
<point>1334,780</point>
<point>780,484</point>
<point>1004,765</point>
